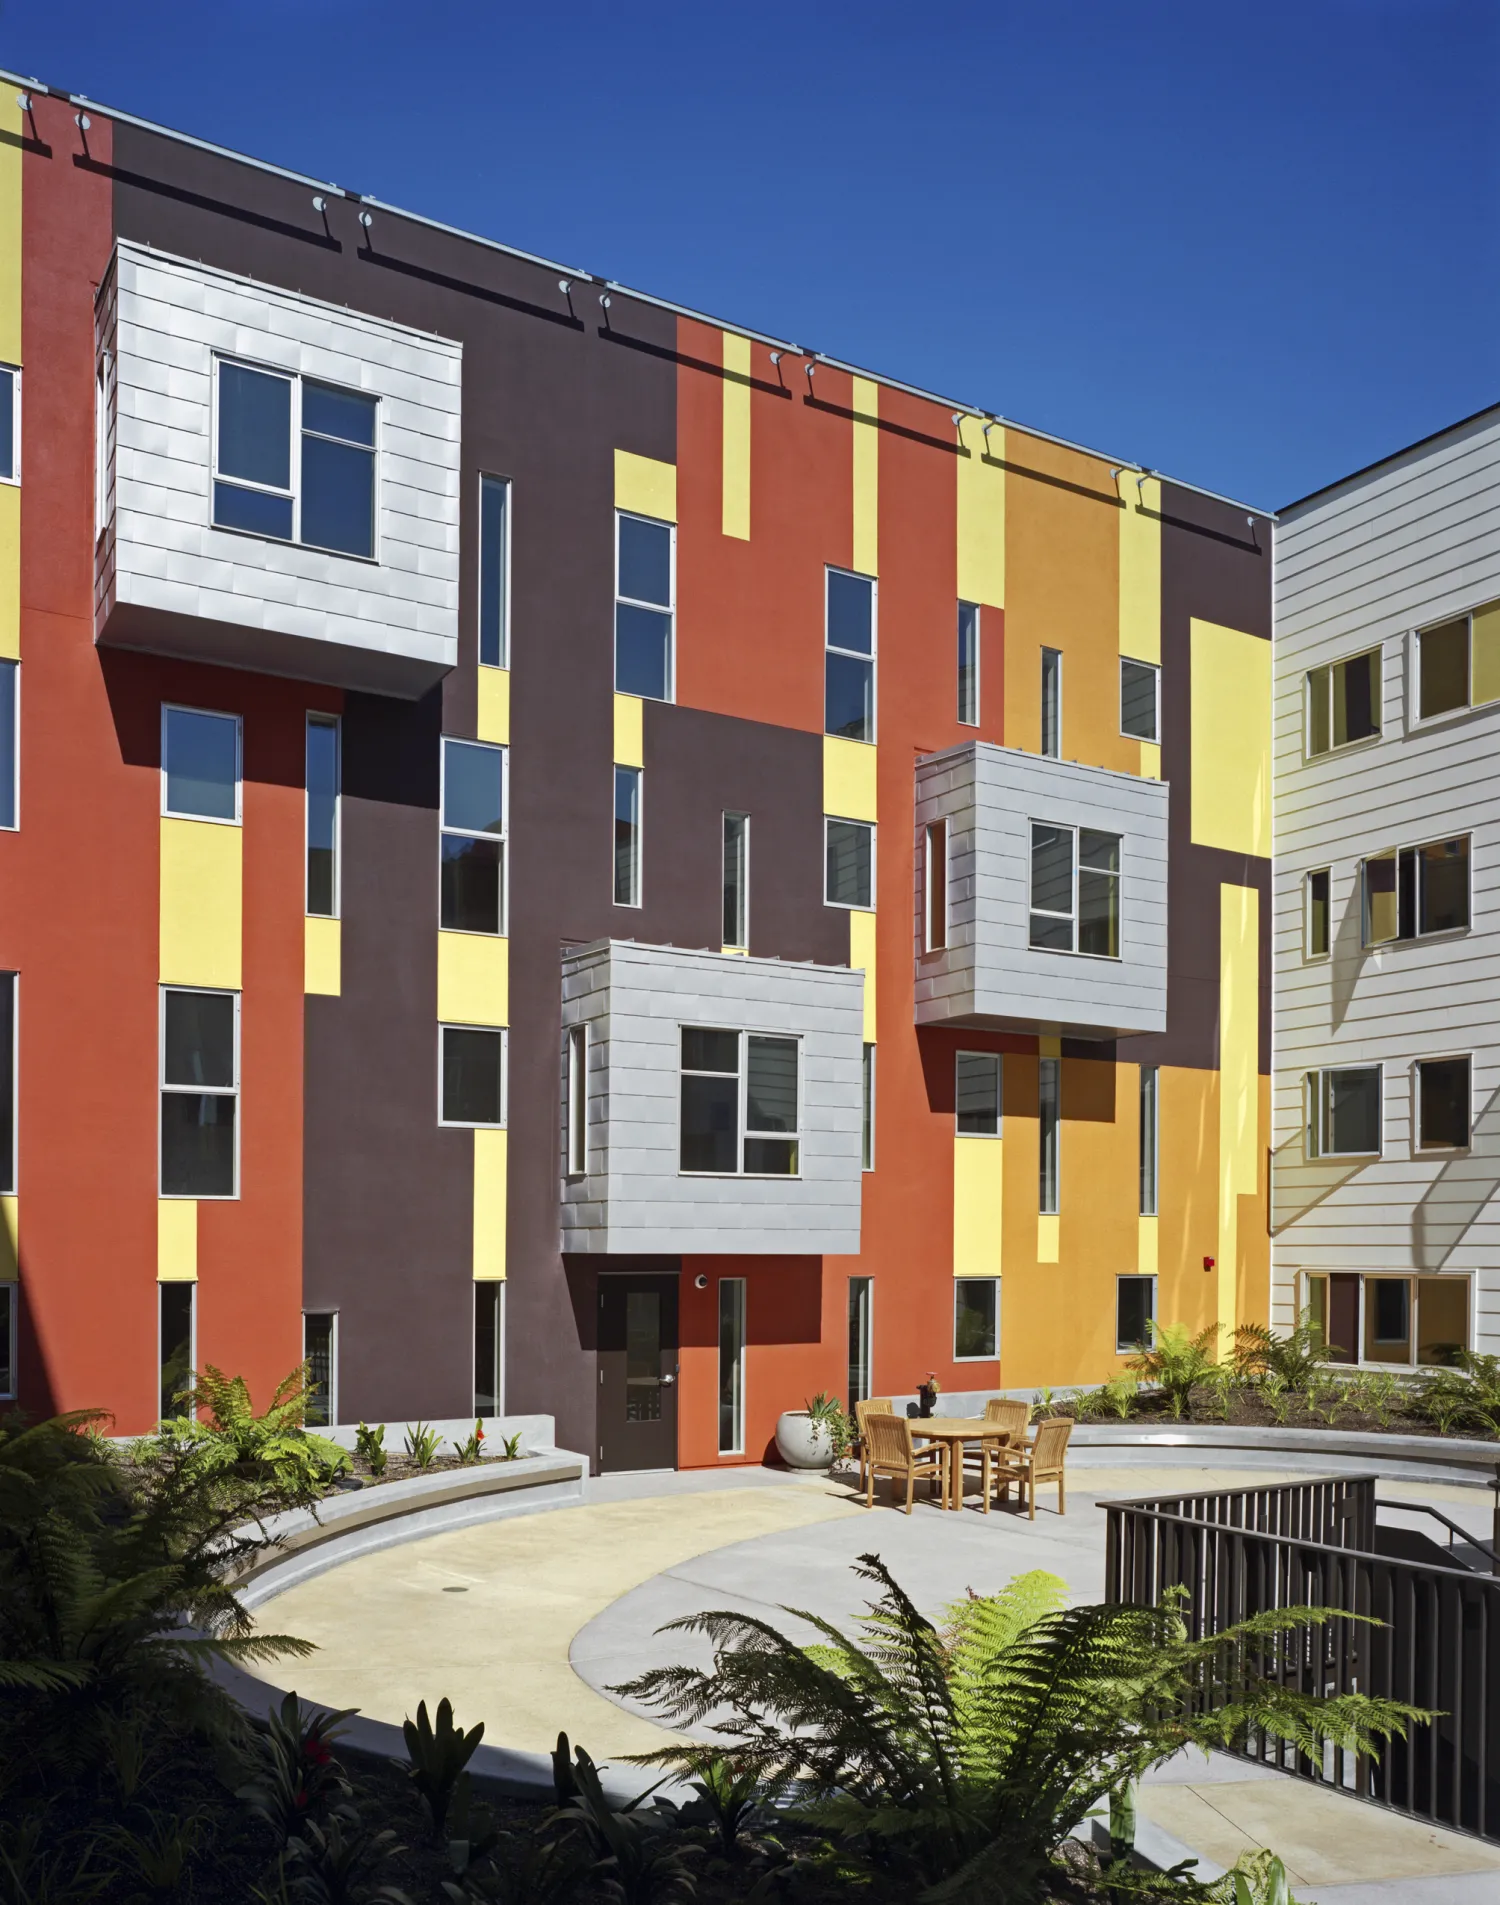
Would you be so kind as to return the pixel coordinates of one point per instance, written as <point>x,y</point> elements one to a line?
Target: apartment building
<point>558,854</point>
<point>1388,903</point>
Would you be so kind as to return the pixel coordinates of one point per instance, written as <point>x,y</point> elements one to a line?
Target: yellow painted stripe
<point>980,476</point>
<point>494,706</point>
<point>490,1150</point>
<point>11,131</point>
<point>10,570</point>
<point>201,903</point>
<point>866,555</point>
<point>1047,1247</point>
<point>630,740</point>
<point>322,955</point>
<point>977,1184</point>
<point>1231,739</point>
<point>176,1240</point>
<point>473,979</point>
<point>1047,1047</point>
<point>737,436</point>
<point>862,959</point>
<point>1239,1095</point>
<point>848,778</point>
<point>1140,568</point>
<point>1146,1246</point>
<point>10,1239</point>
<point>1150,761</point>
<point>645,486</point>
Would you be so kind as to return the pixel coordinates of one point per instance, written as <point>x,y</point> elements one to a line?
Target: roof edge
<point>1391,456</point>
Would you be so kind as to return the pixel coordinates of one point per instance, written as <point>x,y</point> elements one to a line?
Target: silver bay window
<point>1075,890</point>
<point>294,459</point>
<point>739,1103</point>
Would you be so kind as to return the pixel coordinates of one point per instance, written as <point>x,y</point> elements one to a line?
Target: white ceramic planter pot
<point>803,1443</point>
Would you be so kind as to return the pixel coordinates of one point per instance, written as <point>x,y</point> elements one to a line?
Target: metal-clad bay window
<point>1075,890</point>
<point>323,815</point>
<point>294,460</point>
<point>472,882</point>
<point>494,571</point>
<point>849,659</point>
<point>645,606</point>
<point>739,1103</point>
<point>200,1082</point>
<point>200,764</point>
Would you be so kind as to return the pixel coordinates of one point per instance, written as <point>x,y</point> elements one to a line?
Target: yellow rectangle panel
<point>473,979</point>
<point>490,1153</point>
<point>322,955</point>
<point>630,738</point>
<point>1150,760</point>
<point>1239,1094</point>
<point>10,1239</point>
<point>848,778</point>
<point>1485,678</point>
<point>1140,569</point>
<point>12,129</point>
<point>866,552</point>
<point>1146,1246</point>
<point>737,436</point>
<point>493,722</point>
<point>862,959</point>
<point>10,568</point>
<point>1231,739</point>
<point>977,1184</point>
<point>980,477</point>
<point>1047,1238</point>
<point>200,906</point>
<point>1049,1046</point>
<point>645,487</point>
<point>176,1240</point>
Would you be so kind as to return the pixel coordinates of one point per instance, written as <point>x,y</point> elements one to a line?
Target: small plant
<point>422,1444</point>
<point>438,1756</point>
<point>634,1852</point>
<point>511,1444</point>
<point>330,1864</point>
<point>1043,1404</point>
<point>158,1857</point>
<point>730,1798</point>
<point>297,1776</point>
<point>1277,1395</point>
<point>1258,1878</point>
<point>1327,1399</point>
<point>1296,1357</point>
<point>564,1785</point>
<point>1219,1388</point>
<point>471,1450</point>
<point>1383,1396</point>
<point>1178,1363</point>
<point>827,1414</point>
<point>369,1446</point>
<point>1466,1394</point>
<point>1119,1395</point>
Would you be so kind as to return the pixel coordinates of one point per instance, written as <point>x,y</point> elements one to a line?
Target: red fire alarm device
<point>1208,1263</point>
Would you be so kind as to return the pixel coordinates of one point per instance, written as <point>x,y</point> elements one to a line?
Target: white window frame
<point>104,442</point>
<point>969,721</point>
<point>867,1105</point>
<point>316,718</point>
<point>576,1101</point>
<point>507,484</point>
<point>1153,1072</point>
<point>198,1091</point>
<point>468,833</point>
<point>1305,1279</point>
<point>998,1061</point>
<point>733,813</point>
<point>1419,880</point>
<point>843,820</point>
<point>742,1304</point>
<point>1364,740</point>
<point>11,661</point>
<point>1153,739</point>
<point>1315,1110</point>
<point>933,831</point>
<point>333,1359</point>
<point>12,1189</point>
<point>656,608</point>
<point>1308,955</point>
<point>293,493</point>
<point>176,1283</point>
<point>218,714</point>
<point>1133,1276</point>
<point>638,854</point>
<point>742,1081</point>
<point>13,371</point>
<point>1074,951</point>
<point>469,1124</point>
<point>868,1333</point>
<point>1418,1149</point>
<point>958,1283</point>
<point>1050,754</point>
<point>13,1340</point>
<point>854,654</point>
<point>1415,717</point>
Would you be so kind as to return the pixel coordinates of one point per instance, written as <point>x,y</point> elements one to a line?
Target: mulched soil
<point>1249,1409</point>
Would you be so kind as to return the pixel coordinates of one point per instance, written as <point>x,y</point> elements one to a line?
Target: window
<point>494,572</point>
<point>1150,1138</point>
<point>8,1081</point>
<point>323,815</point>
<point>10,424</point>
<point>472,1086</point>
<point>850,863</point>
<point>1343,702</point>
<point>175,1347</point>
<point>472,880</point>
<point>200,764</point>
<point>968,664</point>
<point>1052,703</point>
<point>739,1104</point>
<point>103,441</point>
<point>331,502</point>
<point>976,1093</point>
<point>731,1365</point>
<point>1344,1112</point>
<point>861,1337</point>
<point>867,1112</point>
<point>935,887</point>
<point>1075,890</point>
<point>10,743</point>
<point>1049,1117</point>
<point>1315,918</point>
<point>737,882</point>
<point>1458,662</point>
<point>1412,891</point>
<point>10,1304</point>
<point>849,658</point>
<point>1444,1100</point>
<point>1411,1321</point>
<point>627,836</point>
<point>1135,1311</point>
<point>200,1036</point>
<point>578,1100</point>
<point>489,1343</point>
<point>1140,699</point>
<point>645,565</point>
<point>318,1338</point>
<point>976,1319</point>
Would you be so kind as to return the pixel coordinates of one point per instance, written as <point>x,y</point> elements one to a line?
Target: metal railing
<point>1310,1544</point>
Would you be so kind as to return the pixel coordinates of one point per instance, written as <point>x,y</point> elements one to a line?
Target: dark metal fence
<point>1310,1544</point>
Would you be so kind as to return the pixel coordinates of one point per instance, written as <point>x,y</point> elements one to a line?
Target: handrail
<point>1421,1508</point>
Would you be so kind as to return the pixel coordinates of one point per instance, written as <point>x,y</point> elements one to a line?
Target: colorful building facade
<point>569,857</point>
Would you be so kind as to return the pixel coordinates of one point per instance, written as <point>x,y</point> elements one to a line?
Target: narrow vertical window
<point>10,424</point>
<point>976,1319</point>
<point>645,562</point>
<point>731,1365</point>
<point>849,863</point>
<point>1317,914</point>
<point>861,1332</point>
<point>578,1100</point>
<point>318,1338</point>
<point>8,1081</point>
<point>175,1346</point>
<point>103,443</point>
<point>1048,1120</point>
<point>1135,1311</point>
<point>253,452</point>
<point>10,1300</point>
<point>1150,1136</point>
<point>737,882</point>
<point>489,1299</point>
<point>849,658</point>
<point>338,470</point>
<point>494,572</point>
<point>323,815</point>
<point>10,743</point>
<point>1052,703</point>
<point>867,1114</point>
<point>935,885</point>
<point>1140,699</point>
<point>472,880</point>
<point>627,836</point>
<point>200,1036</point>
<point>968,664</point>
<point>976,1094</point>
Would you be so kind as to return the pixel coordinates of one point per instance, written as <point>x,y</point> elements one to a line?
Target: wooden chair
<point>1010,1416</point>
<point>1042,1461</point>
<point>889,1450</point>
<point>872,1405</point>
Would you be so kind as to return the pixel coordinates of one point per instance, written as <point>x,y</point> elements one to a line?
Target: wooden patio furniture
<point>889,1450</point>
<point>1012,1418</point>
<point>872,1405</point>
<point>1041,1461</point>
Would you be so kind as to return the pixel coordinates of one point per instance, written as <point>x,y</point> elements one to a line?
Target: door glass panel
<point>642,1356</point>
<point>1387,1320</point>
<point>1442,1319</point>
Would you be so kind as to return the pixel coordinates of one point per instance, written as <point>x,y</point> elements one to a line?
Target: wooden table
<point>953,1432</point>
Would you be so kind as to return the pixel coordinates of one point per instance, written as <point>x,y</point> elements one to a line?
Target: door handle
<point>667,1379</point>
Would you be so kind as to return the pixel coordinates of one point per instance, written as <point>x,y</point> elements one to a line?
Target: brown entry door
<point>637,1372</point>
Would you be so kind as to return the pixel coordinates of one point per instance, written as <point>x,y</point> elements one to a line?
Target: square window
<point>849,863</point>
<point>976,1093</point>
<point>976,1319</point>
<point>1443,1104</point>
<point>1343,702</point>
<point>1140,698</point>
<point>724,1131</point>
<point>473,1080</point>
<point>200,761</point>
<point>1346,1117</point>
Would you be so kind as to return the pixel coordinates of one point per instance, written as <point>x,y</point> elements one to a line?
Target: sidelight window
<point>494,572</point>
<point>627,836</point>
<point>968,664</point>
<point>740,1103</point>
<point>736,924</point>
<point>472,881</point>
<point>10,743</point>
<point>319,1352</point>
<point>731,1365</point>
<point>1150,1138</point>
<point>8,1081</point>
<point>1052,703</point>
<point>176,1349</point>
<point>1049,1133</point>
<point>10,424</point>
<point>489,1344</point>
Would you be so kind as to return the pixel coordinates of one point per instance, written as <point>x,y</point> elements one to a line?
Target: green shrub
<point>224,1435</point>
<point>1465,1395</point>
<point>828,1413</point>
<point>422,1444</point>
<point>1295,1359</point>
<point>438,1756</point>
<point>1178,1363</point>
<point>471,1449</point>
<point>369,1446</point>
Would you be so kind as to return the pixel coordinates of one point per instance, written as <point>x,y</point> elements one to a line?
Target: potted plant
<point>816,1436</point>
<point>928,1393</point>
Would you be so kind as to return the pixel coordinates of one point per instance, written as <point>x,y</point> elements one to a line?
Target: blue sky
<point>1252,246</point>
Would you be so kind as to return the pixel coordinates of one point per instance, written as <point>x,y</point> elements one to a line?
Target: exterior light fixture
<point>366,220</point>
<point>320,204</point>
<point>82,121</point>
<point>700,1282</point>
<point>604,299</point>
<point>23,100</point>
<point>565,285</point>
<point>958,417</point>
<point>776,357</point>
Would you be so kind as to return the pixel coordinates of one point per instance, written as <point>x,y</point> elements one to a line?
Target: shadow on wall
<point>1348,950</point>
<point>1299,1184</point>
<point>1459,1193</point>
